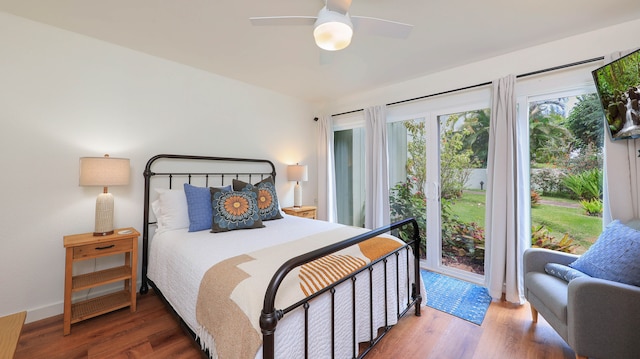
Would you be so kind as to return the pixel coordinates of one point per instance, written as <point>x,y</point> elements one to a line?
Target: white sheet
<point>178,260</point>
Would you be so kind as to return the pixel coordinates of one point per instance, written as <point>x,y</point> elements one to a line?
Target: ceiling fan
<point>333,27</point>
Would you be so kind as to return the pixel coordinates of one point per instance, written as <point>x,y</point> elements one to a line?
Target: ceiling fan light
<point>333,35</point>
<point>332,30</point>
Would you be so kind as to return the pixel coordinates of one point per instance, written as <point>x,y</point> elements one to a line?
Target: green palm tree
<point>549,139</point>
<point>476,124</point>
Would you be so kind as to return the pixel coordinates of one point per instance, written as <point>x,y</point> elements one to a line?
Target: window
<point>349,162</point>
<point>566,152</point>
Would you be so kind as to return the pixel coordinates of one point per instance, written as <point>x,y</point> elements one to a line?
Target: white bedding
<point>178,261</point>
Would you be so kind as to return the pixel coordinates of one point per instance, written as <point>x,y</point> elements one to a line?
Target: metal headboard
<point>207,175</point>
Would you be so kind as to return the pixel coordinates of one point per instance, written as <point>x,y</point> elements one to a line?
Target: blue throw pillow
<point>199,206</point>
<point>563,272</point>
<point>234,210</point>
<point>614,256</point>
<point>267,197</point>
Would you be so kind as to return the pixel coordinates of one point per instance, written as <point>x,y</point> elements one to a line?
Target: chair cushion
<point>614,256</point>
<point>552,291</point>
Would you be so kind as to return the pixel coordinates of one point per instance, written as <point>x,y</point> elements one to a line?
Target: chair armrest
<point>603,318</point>
<point>536,258</point>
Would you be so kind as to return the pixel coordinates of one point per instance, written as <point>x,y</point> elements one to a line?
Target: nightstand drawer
<point>103,248</point>
<point>304,211</point>
<point>307,214</point>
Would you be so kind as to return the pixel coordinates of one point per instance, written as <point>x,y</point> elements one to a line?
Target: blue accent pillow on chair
<point>563,272</point>
<point>614,256</point>
<point>199,206</point>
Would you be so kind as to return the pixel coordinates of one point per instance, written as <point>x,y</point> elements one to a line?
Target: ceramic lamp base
<point>297,195</point>
<point>104,215</point>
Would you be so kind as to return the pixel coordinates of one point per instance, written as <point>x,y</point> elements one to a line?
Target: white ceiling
<point>216,35</point>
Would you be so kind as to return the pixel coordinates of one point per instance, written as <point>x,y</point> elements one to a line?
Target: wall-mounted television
<point>618,85</point>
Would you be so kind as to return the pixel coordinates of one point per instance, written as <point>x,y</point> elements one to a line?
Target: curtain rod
<point>481,84</point>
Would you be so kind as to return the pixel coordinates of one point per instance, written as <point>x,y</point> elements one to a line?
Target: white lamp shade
<point>104,171</point>
<point>297,173</point>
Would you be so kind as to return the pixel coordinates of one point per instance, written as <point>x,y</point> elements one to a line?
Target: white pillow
<point>170,209</point>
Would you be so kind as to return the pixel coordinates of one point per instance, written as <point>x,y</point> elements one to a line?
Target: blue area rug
<point>456,297</point>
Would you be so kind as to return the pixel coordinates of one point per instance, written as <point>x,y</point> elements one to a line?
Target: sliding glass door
<point>461,168</point>
<point>349,162</point>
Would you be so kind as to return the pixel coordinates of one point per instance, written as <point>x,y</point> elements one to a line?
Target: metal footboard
<point>270,315</point>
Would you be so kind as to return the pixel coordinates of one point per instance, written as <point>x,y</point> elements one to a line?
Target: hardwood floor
<point>153,332</point>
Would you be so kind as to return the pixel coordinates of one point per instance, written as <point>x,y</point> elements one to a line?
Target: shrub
<point>467,240</point>
<point>540,238</point>
<point>406,200</point>
<point>585,185</point>
<point>547,181</point>
<point>593,207</point>
<point>535,198</point>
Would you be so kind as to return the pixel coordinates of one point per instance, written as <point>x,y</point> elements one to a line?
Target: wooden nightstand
<point>304,211</point>
<point>86,246</point>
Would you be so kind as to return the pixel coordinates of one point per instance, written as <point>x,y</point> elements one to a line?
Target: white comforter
<point>178,261</point>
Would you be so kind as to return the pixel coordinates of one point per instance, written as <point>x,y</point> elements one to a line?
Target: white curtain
<point>621,188</point>
<point>327,209</point>
<point>376,173</point>
<point>504,247</point>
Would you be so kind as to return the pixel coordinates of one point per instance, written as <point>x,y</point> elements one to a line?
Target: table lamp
<point>297,173</point>
<point>104,172</point>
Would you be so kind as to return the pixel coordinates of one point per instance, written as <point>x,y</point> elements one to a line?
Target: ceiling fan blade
<point>341,6</point>
<point>283,20</point>
<point>380,27</point>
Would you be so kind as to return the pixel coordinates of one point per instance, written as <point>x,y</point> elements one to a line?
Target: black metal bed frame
<point>270,315</point>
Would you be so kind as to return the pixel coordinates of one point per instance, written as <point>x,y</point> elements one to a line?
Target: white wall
<point>572,49</point>
<point>64,96</point>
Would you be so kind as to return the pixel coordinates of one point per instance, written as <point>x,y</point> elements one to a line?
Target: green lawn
<point>558,220</point>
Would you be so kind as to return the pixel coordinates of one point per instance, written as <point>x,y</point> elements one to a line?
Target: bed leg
<point>268,323</point>
<point>418,299</point>
<point>144,288</point>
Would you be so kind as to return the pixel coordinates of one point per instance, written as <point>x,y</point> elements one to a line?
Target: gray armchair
<point>596,317</point>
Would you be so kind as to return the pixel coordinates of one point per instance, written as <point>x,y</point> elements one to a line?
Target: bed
<point>268,284</point>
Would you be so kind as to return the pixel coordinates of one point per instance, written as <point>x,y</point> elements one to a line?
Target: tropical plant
<point>416,165</point>
<point>456,161</point>
<point>540,238</point>
<point>586,185</point>
<point>550,141</point>
<point>593,207</point>
<point>584,159</point>
<point>467,240</point>
<point>535,198</point>
<point>476,127</point>
<point>585,122</point>
<point>406,200</point>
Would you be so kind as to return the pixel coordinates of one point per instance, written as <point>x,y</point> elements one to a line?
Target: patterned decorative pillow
<point>267,197</point>
<point>199,206</point>
<point>563,272</point>
<point>614,256</point>
<point>234,210</point>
